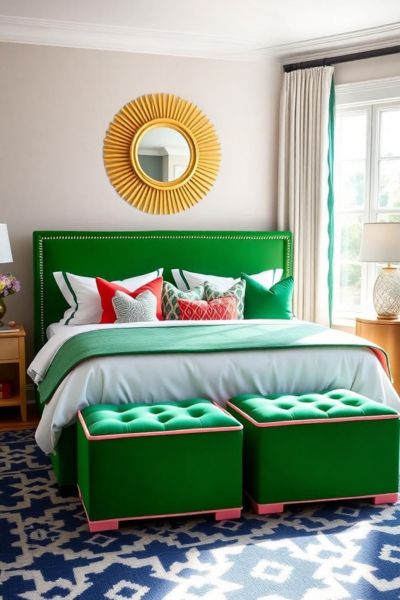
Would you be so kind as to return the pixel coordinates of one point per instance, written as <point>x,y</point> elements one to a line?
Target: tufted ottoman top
<point>110,419</point>
<point>335,404</point>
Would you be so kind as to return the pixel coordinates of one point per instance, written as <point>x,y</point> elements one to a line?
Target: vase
<point>3,309</point>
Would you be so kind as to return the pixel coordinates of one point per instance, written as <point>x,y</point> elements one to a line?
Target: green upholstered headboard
<point>122,254</point>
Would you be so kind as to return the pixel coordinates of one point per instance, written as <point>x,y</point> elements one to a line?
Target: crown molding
<point>74,34</point>
<point>345,43</point>
<point>27,30</point>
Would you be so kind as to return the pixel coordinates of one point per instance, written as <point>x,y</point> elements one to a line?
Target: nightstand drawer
<point>9,349</point>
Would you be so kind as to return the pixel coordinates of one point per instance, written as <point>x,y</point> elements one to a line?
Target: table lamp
<point>5,248</point>
<point>380,243</point>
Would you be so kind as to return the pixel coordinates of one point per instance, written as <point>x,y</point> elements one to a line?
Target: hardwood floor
<point>10,418</point>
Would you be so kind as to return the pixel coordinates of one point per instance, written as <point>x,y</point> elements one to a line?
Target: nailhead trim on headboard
<point>278,236</point>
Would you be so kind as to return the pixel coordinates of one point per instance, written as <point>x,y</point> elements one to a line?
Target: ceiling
<point>217,28</point>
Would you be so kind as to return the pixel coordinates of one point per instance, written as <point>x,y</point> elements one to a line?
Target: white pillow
<point>186,280</point>
<point>83,297</point>
<point>268,278</point>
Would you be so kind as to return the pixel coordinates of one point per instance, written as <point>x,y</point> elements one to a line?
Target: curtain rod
<point>334,60</point>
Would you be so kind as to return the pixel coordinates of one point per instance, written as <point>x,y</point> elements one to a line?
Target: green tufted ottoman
<point>153,460</point>
<point>313,447</point>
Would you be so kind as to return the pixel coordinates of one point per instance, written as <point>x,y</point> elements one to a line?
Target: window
<point>367,189</point>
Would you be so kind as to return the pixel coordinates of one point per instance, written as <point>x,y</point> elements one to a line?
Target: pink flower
<point>8,285</point>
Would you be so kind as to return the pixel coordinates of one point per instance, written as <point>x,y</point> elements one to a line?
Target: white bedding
<point>218,376</point>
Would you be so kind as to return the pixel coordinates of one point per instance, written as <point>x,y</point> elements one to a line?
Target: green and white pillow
<point>187,280</point>
<point>135,310</point>
<point>171,295</point>
<point>237,290</point>
<point>82,295</point>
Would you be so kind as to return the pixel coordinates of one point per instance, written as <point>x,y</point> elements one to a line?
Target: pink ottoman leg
<point>385,499</point>
<point>268,509</point>
<point>108,525</point>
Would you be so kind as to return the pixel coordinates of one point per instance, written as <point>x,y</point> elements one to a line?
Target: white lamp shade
<point>380,242</point>
<point>5,248</point>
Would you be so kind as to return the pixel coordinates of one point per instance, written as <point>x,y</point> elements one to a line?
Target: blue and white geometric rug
<point>319,552</point>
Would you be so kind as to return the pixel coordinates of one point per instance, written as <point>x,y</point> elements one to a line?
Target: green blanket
<point>228,337</point>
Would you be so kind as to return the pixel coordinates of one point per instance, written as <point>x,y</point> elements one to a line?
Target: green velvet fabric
<point>64,457</point>
<point>326,405</point>
<point>315,461</point>
<point>272,303</point>
<point>120,254</point>
<point>162,474</point>
<point>197,413</point>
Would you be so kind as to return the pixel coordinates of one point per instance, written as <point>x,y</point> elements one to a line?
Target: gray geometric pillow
<point>135,310</point>
<point>171,295</point>
<point>237,291</point>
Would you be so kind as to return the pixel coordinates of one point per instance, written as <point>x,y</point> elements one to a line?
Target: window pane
<point>390,133</point>
<point>353,136</point>
<point>350,239</point>
<point>352,184</point>
<point>348,271</point>
<point>350,286</point>
<point>389,183</point>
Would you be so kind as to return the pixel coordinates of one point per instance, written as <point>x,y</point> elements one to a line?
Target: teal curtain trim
<point>331,224</point>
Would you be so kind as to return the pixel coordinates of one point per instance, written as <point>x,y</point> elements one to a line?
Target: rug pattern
<point>319,552</point>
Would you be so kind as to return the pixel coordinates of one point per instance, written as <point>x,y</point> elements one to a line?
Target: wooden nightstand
<point>387,335</point>
<point>12,367</point>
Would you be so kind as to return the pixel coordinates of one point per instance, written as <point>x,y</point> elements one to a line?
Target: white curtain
<point>303,185</point>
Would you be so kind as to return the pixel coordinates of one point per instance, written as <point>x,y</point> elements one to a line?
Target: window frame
<point>364,98</point>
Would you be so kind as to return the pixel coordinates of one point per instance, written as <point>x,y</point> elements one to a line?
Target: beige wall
<point>55,106</point>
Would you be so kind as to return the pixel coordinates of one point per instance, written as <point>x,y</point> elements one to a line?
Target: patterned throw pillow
<point>201,310</point>
<point>135,310</point>
<point>171,295</point>
<point>237,291</point>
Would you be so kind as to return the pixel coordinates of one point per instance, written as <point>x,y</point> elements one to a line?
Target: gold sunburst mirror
<point>161,154</point>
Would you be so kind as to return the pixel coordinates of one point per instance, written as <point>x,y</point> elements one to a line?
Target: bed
<point>177,374</point>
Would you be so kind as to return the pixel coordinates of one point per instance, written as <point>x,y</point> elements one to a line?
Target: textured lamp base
<point>387,293</point>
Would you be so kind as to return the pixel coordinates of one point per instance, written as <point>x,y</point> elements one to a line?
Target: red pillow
<point>224,308</point>
<point>107,290</point>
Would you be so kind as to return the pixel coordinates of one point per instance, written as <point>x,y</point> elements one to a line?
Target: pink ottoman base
<point>113,524</point>
<point>279,507</point>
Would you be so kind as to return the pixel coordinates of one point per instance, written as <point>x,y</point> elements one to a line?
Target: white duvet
<point>216,375</point>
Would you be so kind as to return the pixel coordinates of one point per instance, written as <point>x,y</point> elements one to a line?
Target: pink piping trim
<point>309,421</point>
<point>225,513</point>
<point>278,507</point>
<point>152,433</point>
<point>382,359</point>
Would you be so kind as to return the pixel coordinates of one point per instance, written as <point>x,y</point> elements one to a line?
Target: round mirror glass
<point>163,154</point>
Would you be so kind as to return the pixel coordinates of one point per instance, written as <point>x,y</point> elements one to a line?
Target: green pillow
<point>273,303</point>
